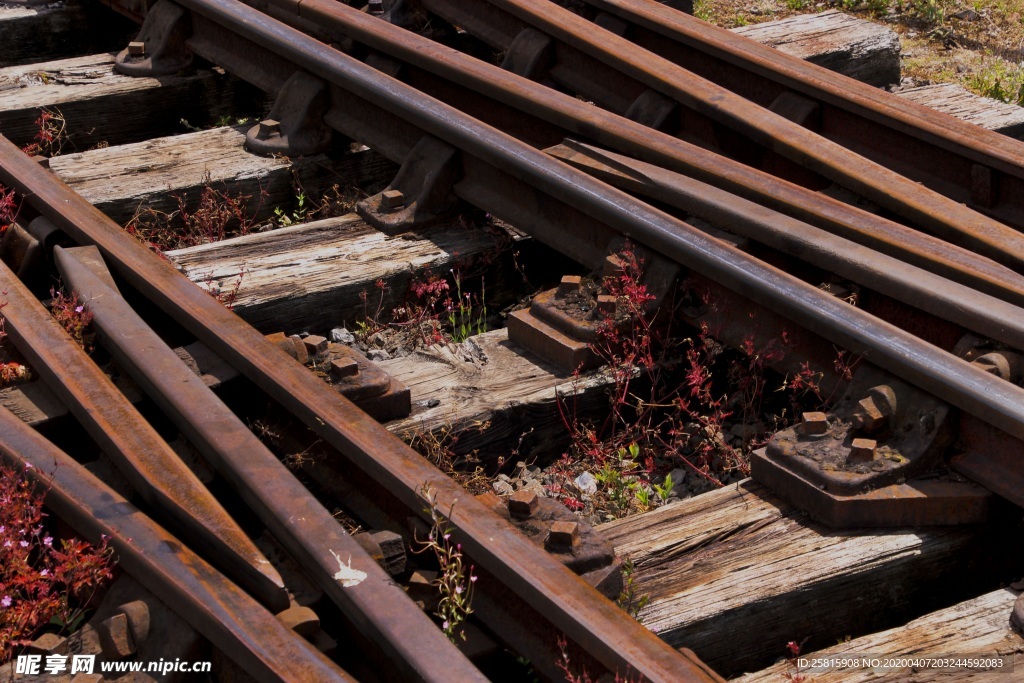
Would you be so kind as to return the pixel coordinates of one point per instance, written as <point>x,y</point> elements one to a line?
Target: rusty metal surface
<point>920,502</point>
<point>234,622</point>
<point>556,187</point>
<point>592,60</point>
<point>879,433</point>
<point>561,597</point>
<point>538,107</point>
<point>145,460</point>
<point>906,283</point>
<point>938,150</point>
<point>297,520</point>
<point>596,624</point>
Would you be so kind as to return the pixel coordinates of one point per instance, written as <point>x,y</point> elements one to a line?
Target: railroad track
<point>577,178</point>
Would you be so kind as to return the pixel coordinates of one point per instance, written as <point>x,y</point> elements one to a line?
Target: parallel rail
<point>616,74</point>
<point>964,162</point>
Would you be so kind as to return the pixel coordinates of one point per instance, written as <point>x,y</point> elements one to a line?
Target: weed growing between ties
<point>43,584</point>
<point>684,413</point>
<point>8,209</point>
<point>455,579</point>
<point>437,310</point>
<point>218,214</point>
<point>51,134</point>
<point>225,296</point>
<point>572,676</point>
<point>73,317</point>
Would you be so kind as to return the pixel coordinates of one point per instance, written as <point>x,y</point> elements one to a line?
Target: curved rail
<point>145,460</point>
<point>409,640</point>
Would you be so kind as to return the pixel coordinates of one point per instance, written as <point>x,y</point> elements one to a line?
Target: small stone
<point>745,431</point>
<point>586,483</point>
<point>378,354</point>
<point>340,335</point>
<point>502,488</point>
<point>678,476</point>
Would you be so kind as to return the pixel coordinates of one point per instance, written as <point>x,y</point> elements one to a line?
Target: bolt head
<point>137,48</point>
<point>613,266</point>
<point>814,424</point>
<point>606,304</point>
<point>562,536</point>
<point>869,416</point>
<point>568,285</point>
<point>315,344</point>
<point>392,200</point>
<point>343,368</point>
<point>268,128</point>
<point>523,504</point>
<point>862,450</point>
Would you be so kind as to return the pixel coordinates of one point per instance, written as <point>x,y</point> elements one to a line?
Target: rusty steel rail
<point>219,610</point>
<point>146,461</point>
<point>494,164</point>
<point>555,190</point>
<point>962,161</point>
<point>542,117</point>
<point>616,73</point>
<point>926,291</point>
<point>411,644</point>
<point>589,620</point>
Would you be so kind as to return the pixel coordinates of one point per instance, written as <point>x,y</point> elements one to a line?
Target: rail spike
<point>159,49</point>
<point>421,193</point>
<point>295,125</point>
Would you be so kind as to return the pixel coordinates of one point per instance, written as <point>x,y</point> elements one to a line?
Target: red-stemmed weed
<point>42,581</point>
<point>73,317</point>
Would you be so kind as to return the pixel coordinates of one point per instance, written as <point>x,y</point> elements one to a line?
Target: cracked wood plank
<point>839,42</point>
<point>310,277</point>
<point>490,395</point>
<point>121,179</point>
<point>977,628</point>
<point>737,573</point>
<point>101,107</point>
